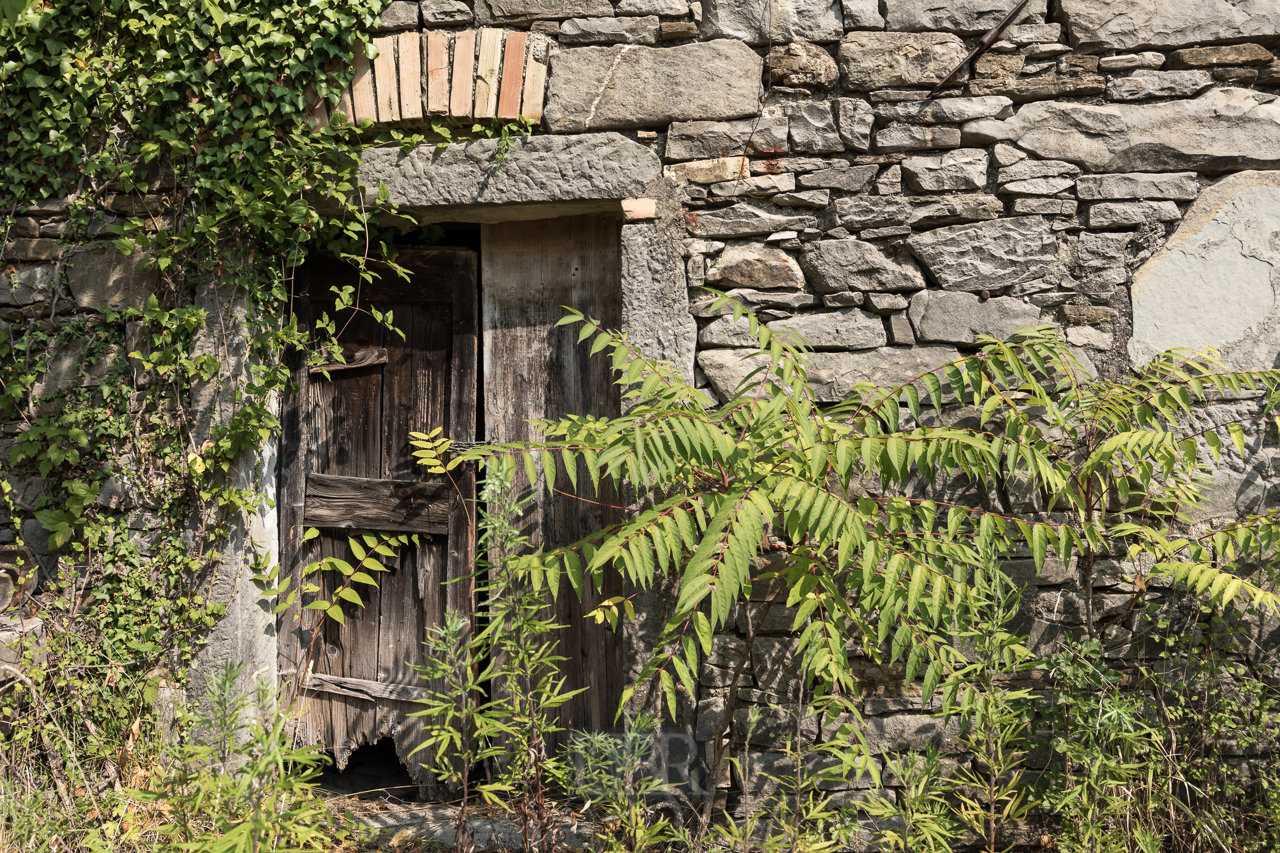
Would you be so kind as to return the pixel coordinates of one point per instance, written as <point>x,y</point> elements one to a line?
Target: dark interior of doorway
<point>372,773</point>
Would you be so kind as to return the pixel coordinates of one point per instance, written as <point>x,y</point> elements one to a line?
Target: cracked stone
<point>742,220</point>
<point>962,169</point>
<point>756,268</point>
<point>813,129</point>
<point>911,137</point>
<point>924,211</point>
<point>1123,214</point>
<point>885,60</point>
<point>700,140</point>
<point>576,31</point>
<point>988,255</point>
<point>772,21</point>
<point>846,329</point>
<point>946,111</point>
<point>836,266</point>
<point>1096,26</point>
<point>956,317</point>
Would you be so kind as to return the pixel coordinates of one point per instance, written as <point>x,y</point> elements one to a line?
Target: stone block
<point>999,65</point>
<point>890,182</point>
<point>855,119</point>
<point>969,17</point>
<point>578,31</point>
<point>988,255</point>
<point>756,268</point>
<point>1131,61</point>
<point>1235,76</point>
<point>1129,213</point>
<point>956,317</point>
<point>677,30</point>
<point>697,140</point>
<point>900,332</point>
<point>795,164</point>
<point>101,277</point>
<point>813,129</point>
<point>1025,34</point>
<point>772,21</point>
<point>399,15</point>
<point>445,12</point>
<point>846,329</point>
<point>803,198</point>
<point>38,249</point>
<point>886,303</point>
<point>801,64</point>
<point>1102,251</point>
<point>1087,336</point>
<point>742,220</point>
<point>1026,170</point>
<point>912,137</point>
<point>633,86</point>
<point>922,211</point>
<point>1047,87</point>
<point>1095,26</point>
<point>915,732</point>
<point>756,300</point>
<point>489,12</point>
<point>1177,186</point>
<point>760,185</point>
<point>655,301</point>
<point>1219,55</point>
<point>1143,84</point>
<point>1037,186</point>
<point>850,180</point>
<point>536,169</point>
<point>862,15</point>
<point>1270,75</point>
<point>962,169</point>
<point>1213,283</point>
<point>945,111</point>
<point>27,284</point>
<point>724,332</point>
<point>836,266</point>
<point>1222,130</point>
<point>642,8</point>
<point>1087,315</point>
<point>710,171</point>
<point>1044,207</point>
<point>884,60</point>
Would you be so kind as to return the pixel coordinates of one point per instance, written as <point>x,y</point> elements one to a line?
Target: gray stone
<point>1217,56</point>
<point>1130,61</point>
<point>987,255</point>
<point>1100,25</point>
<point>855,119</point>
<point>523,11</point>
<point>399,15</point>
<point>1102,251</point>
<point>947,110</point>
<point>813,129</point>
<point>884,60</point>
<point>536,169</point>
<point>633,86</point>
<point>915,732</point>
<point>1044,51</point>
<point>1223,129</point>
<point>760,185</point>
<point>795,164</point>
<point>801,64</point>
<point>655,301</point>
<point>1215,282</point>
<point>848,329</point>
<point>900,332</point>
<point>27,284</point>
<point>804,198</point>
<point>741,220</point>
<point>914,137</point>
<point>772,21</point>
<point>755,300</point>
<point>1027,170</point>
<point>669,8</point>
<point>836,266</point>
<point>960,16</point>
<point>1144,84</point>
<point>1007,155</point>
<point>577,31</point>
<point>1044,207</point>
<point>1044,87</point>
<point>1037,186</point>
<point>708,171</point>
<point>962,169</point>
<point>923,211</point>
<point>890,183</point>
<point>756,268</point>
<point>954,318</point>
<point>101,277</point>
<point>1024,34</point>
<point>1126,213</point>
<point>850,180</point>
<point>862,15</point>
<point>724,332</point>
<point>886,303</point>
<point>445,12</point>
<point>1179,186</point>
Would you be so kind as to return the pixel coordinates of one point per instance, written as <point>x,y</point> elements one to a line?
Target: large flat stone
<point>959,16</point>
<point>846,329</point>
<point>1100,25</point>
<point>1178,186</point>
<point>609,31</point>
<point>1042,88</point>
<point>955,318</point>
<point>599,88</point>
<point>1215,282</point>
<point>947,110</point>
<point>742,220</point>
<point>755,268</point>
<point>27,284</point>
<point>886,60</point>
<point>862,15</point>
<point>1143,84</point>
<point>772,21</point>
<point>879,211</point>
<point>839,266</point>
<point>987,255</point>
<point>699,140</point>
<point>524,11</point>
<point>962,169</point>
<point>655,301</point>
<point>1222,130</point>
<point>536,169</point>
<point>101,277</point>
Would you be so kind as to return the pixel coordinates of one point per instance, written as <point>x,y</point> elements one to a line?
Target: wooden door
<point>347,466</point>
<point>532,369</point>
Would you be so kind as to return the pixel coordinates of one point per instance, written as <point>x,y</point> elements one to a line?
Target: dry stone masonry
<point>1105,167</point>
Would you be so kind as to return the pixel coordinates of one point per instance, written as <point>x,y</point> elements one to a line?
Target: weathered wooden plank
<point>363,104</point>
<point>360,358</point>
<point>464,69</point>
<point>361,503</point>
<point>384,77</point>
<point>535,84</point>
<point>362,688</point>
<point>532,369</point>
<point>345,105</point>
<point>437,72</point>
<point>487,73</point>
<point>410,75</point>
<point>464,367</point>
<point>512,76</point>
<point>317,110</point>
